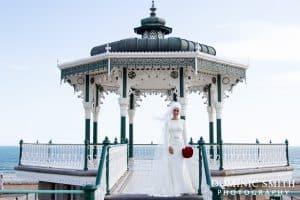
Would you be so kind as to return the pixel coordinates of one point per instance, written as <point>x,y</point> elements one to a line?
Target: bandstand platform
<point>172,67</point>
<point>60,167</point>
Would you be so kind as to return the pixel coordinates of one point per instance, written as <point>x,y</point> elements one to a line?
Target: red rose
<point>187,152</point>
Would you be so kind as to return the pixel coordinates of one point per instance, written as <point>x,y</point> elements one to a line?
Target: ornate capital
<point>219,108</point>
<point>211,113</point>
<point>183,102</point>
<point>123,106</point>
<point>87,109</point>
<point>96,111</point>
<point>131,114</point>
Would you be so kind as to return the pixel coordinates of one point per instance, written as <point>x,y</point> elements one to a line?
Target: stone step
<point>147,197</point>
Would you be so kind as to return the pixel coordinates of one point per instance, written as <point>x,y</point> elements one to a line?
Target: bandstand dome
<point>153,64</point>
<point>153,30</point>
<point>153,45</point>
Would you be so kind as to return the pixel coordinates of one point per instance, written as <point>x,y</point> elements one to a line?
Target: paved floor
<point>131,187</point>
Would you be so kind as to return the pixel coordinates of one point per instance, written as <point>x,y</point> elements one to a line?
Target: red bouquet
<point>187,152</point>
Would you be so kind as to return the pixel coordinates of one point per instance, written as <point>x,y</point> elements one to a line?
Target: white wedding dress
<point>179,177</point>
<point>167,174</point>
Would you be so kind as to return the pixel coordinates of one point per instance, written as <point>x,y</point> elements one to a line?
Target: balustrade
<point>72,156</point>
<point>242,156</point>
<point>117,163</point>
<point>66,156</point>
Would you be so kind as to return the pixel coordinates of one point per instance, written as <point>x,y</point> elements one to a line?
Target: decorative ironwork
<point>152,62</point>
<point>85,68</point>
<point>80,81</point>
<point>242,156</point>
<point>219,68</point>
<point>131,74</point>
<point>174,74</point>
<point>65,156</point>
<point>225,80</point>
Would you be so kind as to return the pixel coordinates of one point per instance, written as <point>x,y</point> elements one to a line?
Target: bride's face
<point>176,113</point>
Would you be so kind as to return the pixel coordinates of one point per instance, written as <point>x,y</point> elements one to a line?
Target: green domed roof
<point>153,45</point>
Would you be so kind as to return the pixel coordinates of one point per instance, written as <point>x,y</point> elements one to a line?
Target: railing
<point>109,159</point>
<point>235,156</point>
<point>116,164</point>
<point>113,164</point>
<point>242,156</point>
<point>198,167</point>
<point>90,192</point>
<point>66,156</point>
<point>33,194</point>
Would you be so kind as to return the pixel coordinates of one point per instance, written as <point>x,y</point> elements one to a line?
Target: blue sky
<point>35,34</point>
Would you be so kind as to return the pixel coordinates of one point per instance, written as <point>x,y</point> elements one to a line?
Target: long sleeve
<point>184,133</point>
<point>167,135</point>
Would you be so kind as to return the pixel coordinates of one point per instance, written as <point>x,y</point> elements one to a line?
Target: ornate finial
<point>154,24</point>
<point>153,9</point>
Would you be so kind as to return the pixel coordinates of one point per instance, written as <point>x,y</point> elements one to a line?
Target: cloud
<point>261,41</point>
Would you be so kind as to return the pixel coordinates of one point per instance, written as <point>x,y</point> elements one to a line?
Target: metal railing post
<point>287,152</point>
<point>106,144</point>
<point>126,141</point>
<point>89,192</point>
<point>217,193</point>
<point>95,151</point>
<point>101,163</point>
<point>200,146</point>
<point>21,151</point>
<point>116,140</point>
<point>258,150</point>
<point>211,151</point>
<point>49,153</point>
<point>86,142</point>
<point>107,172</point>
<point>191,141</point>
<point>221,155</point>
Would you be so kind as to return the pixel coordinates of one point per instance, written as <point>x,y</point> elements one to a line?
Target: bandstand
<point>153,64</point>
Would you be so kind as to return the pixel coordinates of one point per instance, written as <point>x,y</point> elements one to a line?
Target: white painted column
<point>183,102</point>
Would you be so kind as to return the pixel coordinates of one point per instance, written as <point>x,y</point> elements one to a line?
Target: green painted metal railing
<point>88,191</point>
<point>216,190</point>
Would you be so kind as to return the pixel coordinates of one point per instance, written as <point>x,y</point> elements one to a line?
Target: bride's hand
<point>171,150</point>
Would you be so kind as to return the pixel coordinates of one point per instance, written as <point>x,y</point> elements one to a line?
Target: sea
<point>9,156</point>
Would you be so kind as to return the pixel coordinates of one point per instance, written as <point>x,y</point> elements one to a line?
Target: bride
<point>176,139</point>
<point>168,174</point>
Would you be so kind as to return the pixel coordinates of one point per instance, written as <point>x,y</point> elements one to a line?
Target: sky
<point>36,35</point>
